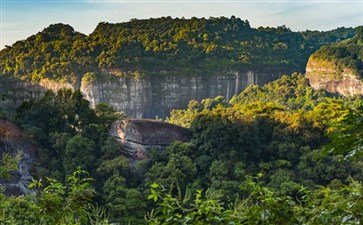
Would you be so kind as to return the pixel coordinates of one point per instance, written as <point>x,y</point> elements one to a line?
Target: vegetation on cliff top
<point>281,153</point>
<point>347,54</point>
<point>187,46</point>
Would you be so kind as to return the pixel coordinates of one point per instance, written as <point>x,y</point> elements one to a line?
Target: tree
<point>8,164</point>
<point>56,203</point>
<point>203,208</point>
<point>177,171</point>
<point>347,136</point>
<point>80,152</point>
<point>107,114</point>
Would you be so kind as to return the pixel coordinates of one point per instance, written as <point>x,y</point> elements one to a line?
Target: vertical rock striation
<point>323,74</point>
<point>157,95</point>
<point>148,96</point>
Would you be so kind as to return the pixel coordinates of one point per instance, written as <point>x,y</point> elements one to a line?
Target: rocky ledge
<point>140,135</point>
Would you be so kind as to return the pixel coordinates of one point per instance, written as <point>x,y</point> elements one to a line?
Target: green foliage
<point>58,53</point>
<point>277,130</point>
<point>347,135</point>
<point>200,209</point>
<point>347,54</point>
<point>261,206</point>
<point>71,135</point>
<point>110,149</point>
<point>8,164</point>
<point>294,138</point>
<point>333,206</point>
<point>185,117</point>
<point>61,54</point>
<point>292,92</point>
<point>79,152</point>
<point>56,203</point>
<point>107,114</point>
<point>125,204</point>
<point>177,171</point>
<point>67,130</point>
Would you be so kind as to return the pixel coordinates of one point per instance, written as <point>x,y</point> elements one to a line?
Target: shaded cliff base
<point>13,143</point>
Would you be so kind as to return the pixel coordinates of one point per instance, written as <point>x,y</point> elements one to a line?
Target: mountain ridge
<point>147,67</point>
<point>59,52</point>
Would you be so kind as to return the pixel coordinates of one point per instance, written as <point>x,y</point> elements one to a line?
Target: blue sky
<point>22,18</point>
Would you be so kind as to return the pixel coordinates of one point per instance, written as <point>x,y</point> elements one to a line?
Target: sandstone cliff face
<point>140,135</point>
<point>326,75</point>
<point>145,97</point>
<point>157,95</point>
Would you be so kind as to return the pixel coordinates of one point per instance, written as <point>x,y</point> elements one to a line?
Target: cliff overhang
<point>138,136</point>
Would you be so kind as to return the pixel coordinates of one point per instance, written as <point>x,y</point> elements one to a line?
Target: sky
<point>20,19</point>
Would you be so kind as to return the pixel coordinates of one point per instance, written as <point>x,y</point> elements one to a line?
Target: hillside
<point>145,68</point>
<point>182,46</point>
<point>338,67</point>
<point>272,150</point>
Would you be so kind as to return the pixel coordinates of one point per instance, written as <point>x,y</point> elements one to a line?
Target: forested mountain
<point>147,67</point>
<point>184,46</point>
<point>281,153</point>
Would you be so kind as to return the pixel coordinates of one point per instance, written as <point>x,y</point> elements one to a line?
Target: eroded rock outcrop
<point>140,135</point>
<point>12,142</point>
<point>324,74</point>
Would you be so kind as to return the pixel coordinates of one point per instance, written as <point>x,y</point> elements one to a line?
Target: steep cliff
<point>156,95</point>
<point>338,68</point>
<point>324,74</point>
<point>145,97</point>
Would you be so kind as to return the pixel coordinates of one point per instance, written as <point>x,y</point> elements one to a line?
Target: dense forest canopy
<point>183,46</point>
<point>281,153</point>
